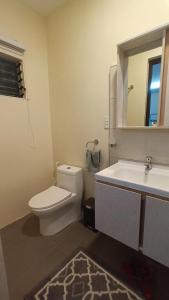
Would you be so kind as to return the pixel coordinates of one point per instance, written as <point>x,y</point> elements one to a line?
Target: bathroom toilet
<point>60,205</point>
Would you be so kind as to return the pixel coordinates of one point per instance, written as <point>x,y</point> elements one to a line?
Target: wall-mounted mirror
<point>142,80</point>
<point>143,97</point>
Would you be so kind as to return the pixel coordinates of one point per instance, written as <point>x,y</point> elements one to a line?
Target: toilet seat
<point>48,198</point>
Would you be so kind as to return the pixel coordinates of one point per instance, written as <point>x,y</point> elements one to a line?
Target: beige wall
<point>25,165</point>
<point>138,77</point>
<point>78,73</point>
<point>82,39</point>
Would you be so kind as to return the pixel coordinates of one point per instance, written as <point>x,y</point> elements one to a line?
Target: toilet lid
<point>49,197</point>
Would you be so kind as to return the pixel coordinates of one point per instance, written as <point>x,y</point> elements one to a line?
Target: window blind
<point>11,78</point>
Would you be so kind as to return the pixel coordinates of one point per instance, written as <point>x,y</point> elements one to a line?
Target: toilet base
<point>51,224</point>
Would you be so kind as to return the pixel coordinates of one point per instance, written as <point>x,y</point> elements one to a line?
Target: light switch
<point>106,122</point>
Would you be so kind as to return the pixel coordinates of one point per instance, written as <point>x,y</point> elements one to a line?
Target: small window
<point>11,77</point>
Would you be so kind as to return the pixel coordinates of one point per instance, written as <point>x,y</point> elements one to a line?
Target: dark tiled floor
<point>29,258</point>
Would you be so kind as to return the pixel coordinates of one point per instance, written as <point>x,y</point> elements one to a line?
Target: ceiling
<point>44,7</point>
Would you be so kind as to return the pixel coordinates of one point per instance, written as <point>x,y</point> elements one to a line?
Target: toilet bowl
<point>60,205</point>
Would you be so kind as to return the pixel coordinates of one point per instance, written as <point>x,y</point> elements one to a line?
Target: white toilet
<point>60,205</point>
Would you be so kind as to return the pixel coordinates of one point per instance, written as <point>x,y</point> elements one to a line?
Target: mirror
<point>143,94</point>
<point>143,81</point>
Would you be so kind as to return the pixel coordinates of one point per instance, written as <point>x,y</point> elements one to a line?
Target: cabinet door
<point>117,213</point>
<point>156,230</point>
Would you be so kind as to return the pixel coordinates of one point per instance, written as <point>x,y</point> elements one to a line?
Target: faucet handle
<point>148,158</point>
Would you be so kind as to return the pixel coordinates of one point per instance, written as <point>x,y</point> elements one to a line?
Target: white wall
<point>25,167</point>
<point>82,39</point>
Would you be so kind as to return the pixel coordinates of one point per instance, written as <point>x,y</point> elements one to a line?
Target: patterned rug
<point>82,279</point>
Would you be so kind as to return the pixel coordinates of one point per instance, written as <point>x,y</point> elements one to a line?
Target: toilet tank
<point>70,178</point>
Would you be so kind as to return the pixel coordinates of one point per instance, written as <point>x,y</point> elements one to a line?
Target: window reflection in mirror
<point>144,88</point>
<point>153,91</point>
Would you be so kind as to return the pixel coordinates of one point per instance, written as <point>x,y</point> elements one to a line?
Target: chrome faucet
<point>148,164</point>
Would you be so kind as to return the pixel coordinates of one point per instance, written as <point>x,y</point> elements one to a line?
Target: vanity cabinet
<point>137,220</point>
<point>156,230</point>
<point>133,207</point>
<point>117,213</point>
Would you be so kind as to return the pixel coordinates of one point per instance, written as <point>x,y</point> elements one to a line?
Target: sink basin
<point>132,175</point>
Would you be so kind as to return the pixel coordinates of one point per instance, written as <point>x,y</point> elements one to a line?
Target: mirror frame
<point>146,41</point>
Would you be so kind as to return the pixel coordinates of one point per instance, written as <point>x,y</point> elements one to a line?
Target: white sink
<point>132,175</point>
